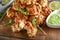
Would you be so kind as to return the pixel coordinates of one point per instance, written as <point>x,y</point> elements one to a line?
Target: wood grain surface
<point>7,34</point>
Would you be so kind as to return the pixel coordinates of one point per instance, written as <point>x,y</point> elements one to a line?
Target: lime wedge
<point>55,5</point>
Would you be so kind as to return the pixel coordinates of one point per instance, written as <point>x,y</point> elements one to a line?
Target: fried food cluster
<point>27,14</point>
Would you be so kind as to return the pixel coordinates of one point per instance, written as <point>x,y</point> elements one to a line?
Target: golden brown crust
<point>22,21</point>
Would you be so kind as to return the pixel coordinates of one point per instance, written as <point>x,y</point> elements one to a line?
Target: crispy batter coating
<point>28,2</point>
<point>10,12</point>
<point>44,3</point>
<point>31,30</point>
<point>40,20</point>
<point>33,7</point>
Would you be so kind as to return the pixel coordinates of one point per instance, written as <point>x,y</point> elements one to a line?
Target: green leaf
<point>23,11</point>
<point>1,14</point>
<point>34,21</point>
<point>10,22</point>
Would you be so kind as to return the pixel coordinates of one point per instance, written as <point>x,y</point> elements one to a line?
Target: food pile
<point>28,14</point>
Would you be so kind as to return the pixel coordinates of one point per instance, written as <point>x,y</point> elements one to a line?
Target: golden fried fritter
<point>34,9</point>
<point>28,2</point>
<point>10,12</point>
<point>16,27</point>
<point>40,20</point>
<point>37,11</point>
<point>43,3</point>
<point>31,30</point>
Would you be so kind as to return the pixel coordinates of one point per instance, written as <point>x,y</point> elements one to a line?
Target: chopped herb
<point>41,29</point>
<point>36,25</point>
<point>1,14</point>
<point>34,20</point>
<point>10,22</point>
<point>23,11</point>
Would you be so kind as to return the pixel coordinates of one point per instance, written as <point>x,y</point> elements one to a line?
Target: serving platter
<point>5,31</point>
<point>7,34</point>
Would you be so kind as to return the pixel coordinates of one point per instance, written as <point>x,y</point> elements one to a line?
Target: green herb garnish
<point>10,22</point>
<point>34,21</point>
<point>36,25</point>
<point>23,11</point>
<point>1,14</point>
<point>41,29</point>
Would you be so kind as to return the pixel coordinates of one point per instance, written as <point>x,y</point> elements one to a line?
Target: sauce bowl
<point>3,7</point>
<point>53,25</point>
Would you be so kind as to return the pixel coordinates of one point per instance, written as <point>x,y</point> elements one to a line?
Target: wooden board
<point>7,34</point>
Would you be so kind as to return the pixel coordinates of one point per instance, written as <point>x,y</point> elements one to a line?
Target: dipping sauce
<point>54,5</point>
<point>4,2</point>
<point>54,19</point>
